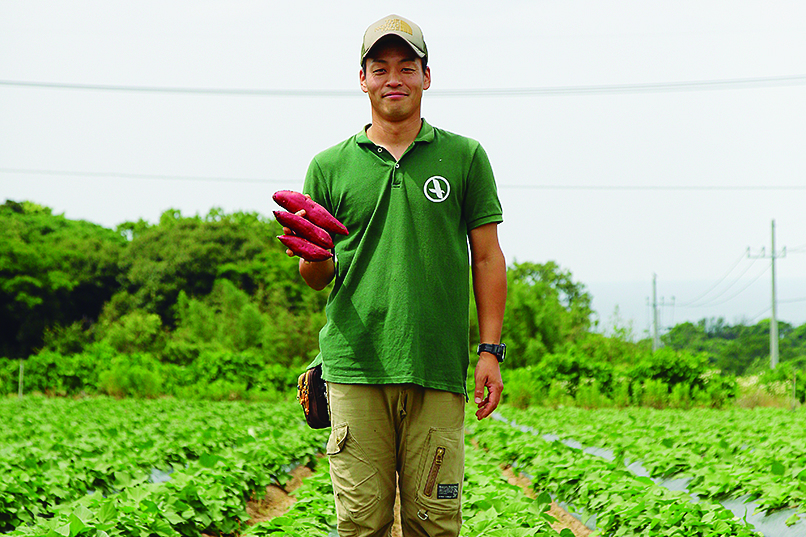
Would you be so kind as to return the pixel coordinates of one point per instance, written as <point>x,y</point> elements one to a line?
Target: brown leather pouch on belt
<point>312,396</point>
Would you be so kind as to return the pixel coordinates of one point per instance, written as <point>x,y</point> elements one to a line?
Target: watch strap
<point>497,350</point>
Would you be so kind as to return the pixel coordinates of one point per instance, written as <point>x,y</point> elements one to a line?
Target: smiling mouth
<point>395,94</point>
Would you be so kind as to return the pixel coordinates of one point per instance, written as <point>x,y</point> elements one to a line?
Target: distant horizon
<point>750,306</point>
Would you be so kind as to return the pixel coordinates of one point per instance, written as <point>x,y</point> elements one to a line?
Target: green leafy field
<point>756,454</point>
<point>726,453</point>
<point>168,467</point>
<point>91,464</point>
<point>100,467</point>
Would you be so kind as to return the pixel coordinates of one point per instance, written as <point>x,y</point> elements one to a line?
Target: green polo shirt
<point>398,311</point>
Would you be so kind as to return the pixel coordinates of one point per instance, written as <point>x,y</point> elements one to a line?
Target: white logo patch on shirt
<point>437,189</point>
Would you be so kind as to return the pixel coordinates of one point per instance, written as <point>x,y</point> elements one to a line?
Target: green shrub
<point>249,329</point>
<point>590,396</point>
<point>137,331</point>
<point>223,390</point>
<point>574,368</point>
<point>136,375</point>
<point>621,393</point>
<point>9,375</point>
<point>181,351</point>
<point>720,389</point>
<point>558,395</point>
<point>522,386</point>
<point>614,350</point>
<point>54,373</point>
<point>234,367</point>
<point>636,392</point>
<point>680,396</point>
<point>276,378</point>
<point>70,339</point>
<point>786,374</point>
<point>700,397</point>
<point>655,393</point>
<point>671,367</point>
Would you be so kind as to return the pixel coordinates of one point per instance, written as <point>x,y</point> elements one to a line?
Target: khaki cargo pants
<point>399,432</point>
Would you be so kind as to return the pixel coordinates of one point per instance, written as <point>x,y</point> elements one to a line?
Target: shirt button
<point>380,150</point>
<point>397,165</point>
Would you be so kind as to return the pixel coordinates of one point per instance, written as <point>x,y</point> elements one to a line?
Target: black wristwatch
<point>499,351</point>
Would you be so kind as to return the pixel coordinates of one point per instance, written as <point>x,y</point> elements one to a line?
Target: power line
<point>740,291</point>
<point>690,302</point>
<point>168,177</point>
<point>163,177</point>
<point>661,187</point>
<point>768,308</point>
<point>690,85</point>
<point>759,314</point>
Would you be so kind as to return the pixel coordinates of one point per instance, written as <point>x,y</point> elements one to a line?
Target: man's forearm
<point>489,281</point>
<point>490,290</point>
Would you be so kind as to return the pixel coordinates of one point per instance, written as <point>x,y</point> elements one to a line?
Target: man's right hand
<point>317,274</point>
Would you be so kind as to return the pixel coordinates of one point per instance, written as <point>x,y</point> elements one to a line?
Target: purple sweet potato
<point>294,201</point>
<point>305,249</point>
<point>305,229</point>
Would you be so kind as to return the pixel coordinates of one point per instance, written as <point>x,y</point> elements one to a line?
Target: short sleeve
<point>315,186</point>
<point>481,204</point>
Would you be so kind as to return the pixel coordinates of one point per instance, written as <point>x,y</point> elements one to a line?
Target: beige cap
<point>395,25</point>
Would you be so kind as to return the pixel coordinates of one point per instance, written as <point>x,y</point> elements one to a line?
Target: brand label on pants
<point>448,492</point>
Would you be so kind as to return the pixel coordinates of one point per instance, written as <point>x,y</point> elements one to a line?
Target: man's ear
<point>427,78</point>
<point>362,78</point>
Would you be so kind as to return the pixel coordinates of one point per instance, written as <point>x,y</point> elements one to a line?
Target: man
<point>394,348</point>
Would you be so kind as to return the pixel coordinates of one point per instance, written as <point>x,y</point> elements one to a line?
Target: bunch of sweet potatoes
<point>310,234</point>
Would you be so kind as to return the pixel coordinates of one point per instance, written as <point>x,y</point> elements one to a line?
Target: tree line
<point>212,306</point>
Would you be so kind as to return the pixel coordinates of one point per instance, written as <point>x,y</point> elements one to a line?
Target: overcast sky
<point>628,138</point>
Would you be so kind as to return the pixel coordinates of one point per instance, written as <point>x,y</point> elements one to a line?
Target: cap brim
<point>401,35</point>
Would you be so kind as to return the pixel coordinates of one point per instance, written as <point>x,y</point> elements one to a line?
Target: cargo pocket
<point>355,478</point>
<point>441,472</point>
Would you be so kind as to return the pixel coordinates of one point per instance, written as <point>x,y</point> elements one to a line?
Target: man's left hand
<point>487,375</point>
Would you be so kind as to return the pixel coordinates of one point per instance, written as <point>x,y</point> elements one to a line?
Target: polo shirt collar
<point>426,134</point>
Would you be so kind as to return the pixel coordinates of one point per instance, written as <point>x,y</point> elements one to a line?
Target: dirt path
<point>277,501</point>
<point>564,518</point>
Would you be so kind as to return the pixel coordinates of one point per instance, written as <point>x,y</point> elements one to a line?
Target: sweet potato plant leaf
<point>209,461</point>
<point>107,512</point>
<point>162,528</point>
<point>76,525</point>
<point>137,494</point>
<point>794,519</point>
<point>173,517</point>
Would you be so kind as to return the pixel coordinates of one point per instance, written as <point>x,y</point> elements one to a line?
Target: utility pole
<point>655,336</point>
<point>774,319</point>
<point>656,328</point>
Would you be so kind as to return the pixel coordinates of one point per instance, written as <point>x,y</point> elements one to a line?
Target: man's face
<point>394,80</point>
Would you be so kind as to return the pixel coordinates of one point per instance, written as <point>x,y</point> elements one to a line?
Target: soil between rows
<point>278,501</point>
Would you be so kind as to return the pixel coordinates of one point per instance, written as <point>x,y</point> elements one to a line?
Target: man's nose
<point>394,79</point>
